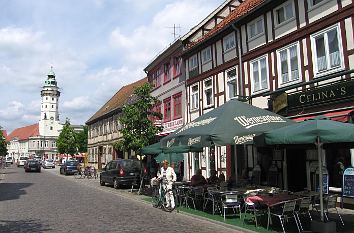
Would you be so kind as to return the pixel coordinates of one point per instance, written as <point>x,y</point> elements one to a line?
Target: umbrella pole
<point>319,150</point>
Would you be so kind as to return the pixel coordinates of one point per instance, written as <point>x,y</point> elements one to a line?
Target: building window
<point>259,74</point>
<point>327,47</point>
<point>52,106</point>
<point>255,28</point>
<point>167,109</point>
<point>208,92</point>
<point>315,2</point>
<point>288,64</point>
<point>206,55</point>
<point>177,106</point>
<point>284,12</point>
<point>167,68</point>
<point>231,83</point>
<point>193,63</point>
<point>177,65</point>
<point>194,98</point>
<point>229,42</point>
<point>52,99</point>
<point>46,98</point>
<point>51,128</point>
<point>46,144</point>
<point>156,78</point>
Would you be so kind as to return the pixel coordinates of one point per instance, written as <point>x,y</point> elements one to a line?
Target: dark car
<point>69,167</point>
<point>32,165</point>
<point>121,172</point>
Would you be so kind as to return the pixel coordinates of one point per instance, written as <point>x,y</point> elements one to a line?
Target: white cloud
<point>78,103</point>
<point>13,110</point>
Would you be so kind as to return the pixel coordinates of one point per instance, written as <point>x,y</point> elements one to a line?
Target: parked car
<point>48,163</point>
<point>69,167</point>
<point>9,160</point>
<point>21,161</point>
<point>121,172</point>
<point>32,165</point>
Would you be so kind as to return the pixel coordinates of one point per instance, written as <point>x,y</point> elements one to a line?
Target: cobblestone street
<point>48,202</point>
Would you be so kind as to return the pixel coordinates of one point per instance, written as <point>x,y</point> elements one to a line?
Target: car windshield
<point>23,158</point>
<point>71,163</point>
<point>130,164</point>
<point>49,160</point>
<point>32,162</point>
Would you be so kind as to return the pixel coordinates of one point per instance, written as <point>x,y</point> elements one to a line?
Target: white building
<point>40,138</point>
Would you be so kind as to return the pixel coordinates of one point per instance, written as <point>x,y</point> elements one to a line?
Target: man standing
<point>168,176</point>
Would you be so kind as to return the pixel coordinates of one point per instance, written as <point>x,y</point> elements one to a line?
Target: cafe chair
<point>303,208</point>
<point>211,196</point>
<point>284,211</point>
<point>196,194</point>
<point>230,201</point>
<point>253,209</point>
<point>331,203</point>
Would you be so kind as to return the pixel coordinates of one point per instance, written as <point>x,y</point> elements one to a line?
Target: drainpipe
<point>238,36</point>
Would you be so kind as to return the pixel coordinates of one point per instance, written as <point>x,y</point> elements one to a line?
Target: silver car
<point>48,163</point>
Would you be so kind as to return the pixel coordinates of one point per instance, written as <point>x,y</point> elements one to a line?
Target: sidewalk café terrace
<point>266,200</point>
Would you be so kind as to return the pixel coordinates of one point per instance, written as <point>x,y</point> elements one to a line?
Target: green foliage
<point>3,145</point>
<point>137,128</point>
<point>81,140</point>
<point>66,141</point>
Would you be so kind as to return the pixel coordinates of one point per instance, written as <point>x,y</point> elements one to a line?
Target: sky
<point>94,46</point>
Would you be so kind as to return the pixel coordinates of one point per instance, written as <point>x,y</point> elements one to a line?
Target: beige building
<point>104,127</point>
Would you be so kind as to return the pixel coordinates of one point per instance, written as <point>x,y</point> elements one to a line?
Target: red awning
<point>342,116</point>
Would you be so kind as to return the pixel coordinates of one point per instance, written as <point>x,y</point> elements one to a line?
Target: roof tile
<point>24,133</point>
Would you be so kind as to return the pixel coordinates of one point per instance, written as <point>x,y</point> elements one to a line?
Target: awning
<point>341,116</point>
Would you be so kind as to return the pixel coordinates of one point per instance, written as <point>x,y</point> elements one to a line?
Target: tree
<point>138,129</point>
<point>3,144</point>
<point>81,140</point>
<point>66,141</point>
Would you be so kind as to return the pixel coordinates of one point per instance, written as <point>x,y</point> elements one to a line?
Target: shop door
<point>296,164</point>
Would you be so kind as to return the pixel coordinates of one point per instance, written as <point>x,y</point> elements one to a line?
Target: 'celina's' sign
<point>325,94</point>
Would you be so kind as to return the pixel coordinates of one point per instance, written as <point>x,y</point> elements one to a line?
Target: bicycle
<point>159,196</point>
<point>79,175</point>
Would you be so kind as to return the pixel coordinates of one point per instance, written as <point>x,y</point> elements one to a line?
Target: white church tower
<point>49,124</point>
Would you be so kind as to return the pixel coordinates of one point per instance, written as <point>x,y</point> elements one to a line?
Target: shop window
<point>327,50</point>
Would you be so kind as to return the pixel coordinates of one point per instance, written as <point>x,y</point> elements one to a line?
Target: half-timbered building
<point>297,60</point>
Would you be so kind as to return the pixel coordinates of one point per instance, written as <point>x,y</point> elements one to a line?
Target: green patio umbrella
<point>171,157</point>
<point>153,149</point>
<point>317,131</point>
<point>234,122</point>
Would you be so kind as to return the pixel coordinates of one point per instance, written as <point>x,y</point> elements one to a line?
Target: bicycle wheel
<point>155,197</point>
<point>165,205</point>
<point>77,175</point>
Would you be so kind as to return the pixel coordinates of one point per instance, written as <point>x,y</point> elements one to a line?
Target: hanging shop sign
<point>322,95</point>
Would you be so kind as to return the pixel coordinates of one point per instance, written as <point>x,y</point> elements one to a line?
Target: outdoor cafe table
<point>270,200</point>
